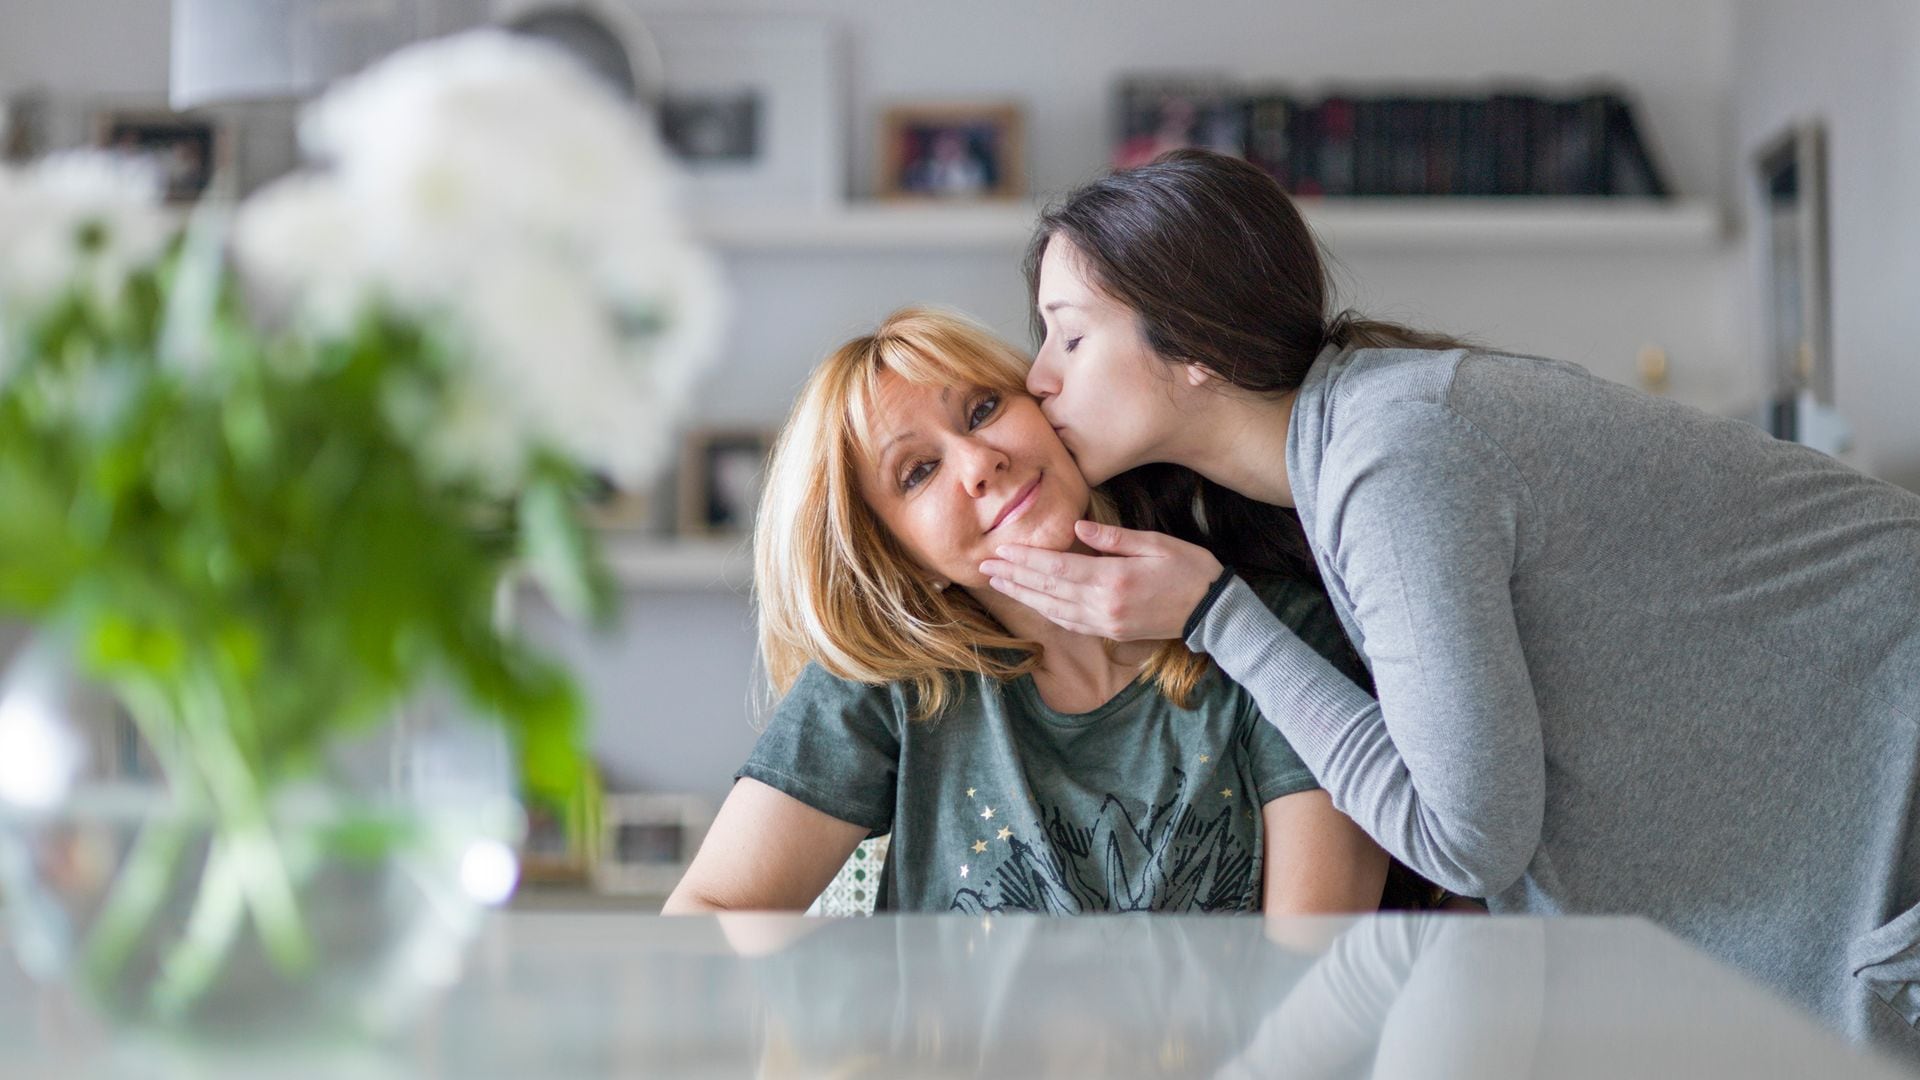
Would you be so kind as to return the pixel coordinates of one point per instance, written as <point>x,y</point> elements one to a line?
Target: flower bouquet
<point>262,473</point>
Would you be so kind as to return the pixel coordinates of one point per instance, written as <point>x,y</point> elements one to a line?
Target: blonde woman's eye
<point>1072,344</point>
<point>983,410</point>
<point>919,472</point>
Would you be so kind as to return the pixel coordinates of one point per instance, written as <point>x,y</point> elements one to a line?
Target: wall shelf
<point>678,563</point>
<point>989,227</point>
<point>1404,225</point>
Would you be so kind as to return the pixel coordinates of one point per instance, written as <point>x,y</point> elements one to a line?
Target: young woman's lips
<point>1017,503</point>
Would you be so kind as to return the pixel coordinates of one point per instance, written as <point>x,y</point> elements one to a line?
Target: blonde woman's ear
<point>941,586</point>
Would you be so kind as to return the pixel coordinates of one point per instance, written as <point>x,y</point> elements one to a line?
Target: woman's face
<point>954,472</point>
<point>1113,400</point>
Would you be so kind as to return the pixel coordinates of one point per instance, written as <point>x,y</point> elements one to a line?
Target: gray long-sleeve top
<point>1630,658</point>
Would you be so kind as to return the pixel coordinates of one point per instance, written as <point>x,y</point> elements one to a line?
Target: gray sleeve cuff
<point>1298,690</point>
<point>1206,602</point>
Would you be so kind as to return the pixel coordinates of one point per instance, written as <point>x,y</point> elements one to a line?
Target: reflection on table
<point>554,995</point>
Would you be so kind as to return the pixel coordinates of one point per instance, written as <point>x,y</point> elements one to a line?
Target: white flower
<point>82,217</point>
<point>469,129</point>
<point>301,236</point>
<point>490,184</point>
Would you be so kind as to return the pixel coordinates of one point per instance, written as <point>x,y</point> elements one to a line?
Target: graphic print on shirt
<point>1174,856</point>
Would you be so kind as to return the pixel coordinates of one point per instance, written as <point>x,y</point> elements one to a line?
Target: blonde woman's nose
<point>979,463</point>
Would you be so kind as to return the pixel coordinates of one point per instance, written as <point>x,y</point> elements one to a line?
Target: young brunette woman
<point>1629,657</point>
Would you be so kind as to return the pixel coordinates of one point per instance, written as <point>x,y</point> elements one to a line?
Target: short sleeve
<point>833,744</point>
<point>1277,770</point>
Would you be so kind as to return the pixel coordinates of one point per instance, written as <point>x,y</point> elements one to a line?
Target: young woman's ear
<point>1199,375</point>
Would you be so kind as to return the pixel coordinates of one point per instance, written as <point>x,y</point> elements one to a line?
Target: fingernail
<point>997,583</point>
<point>1002,552</point>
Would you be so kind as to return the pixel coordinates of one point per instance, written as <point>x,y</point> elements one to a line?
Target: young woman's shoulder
<point>1369,377</point>
<point>1374,378</point>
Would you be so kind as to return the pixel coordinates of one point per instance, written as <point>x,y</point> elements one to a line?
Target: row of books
<point>1585,144</point>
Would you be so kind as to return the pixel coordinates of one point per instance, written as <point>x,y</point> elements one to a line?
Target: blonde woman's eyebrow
<point>946,399</point>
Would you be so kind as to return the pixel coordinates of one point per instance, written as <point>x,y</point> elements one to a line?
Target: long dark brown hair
<point>1220,269</point>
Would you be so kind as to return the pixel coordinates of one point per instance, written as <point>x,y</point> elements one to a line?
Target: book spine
<point>1336,157</point>
<point>1445,145</point>
<point>1507,117</point>
<point>1634,169</point>
<point>1269,136</point>
<point>1303,149</point>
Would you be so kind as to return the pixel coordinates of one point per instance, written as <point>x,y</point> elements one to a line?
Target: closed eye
<point>1072,344</point>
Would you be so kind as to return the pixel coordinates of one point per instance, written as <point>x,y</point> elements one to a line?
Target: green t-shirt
<point>1001,803</point>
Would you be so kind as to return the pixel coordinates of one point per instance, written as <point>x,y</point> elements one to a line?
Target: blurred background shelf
<point>641,561</point>
<point>1376,224</point>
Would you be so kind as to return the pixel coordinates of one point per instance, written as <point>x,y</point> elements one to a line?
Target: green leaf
<point>560,553</point>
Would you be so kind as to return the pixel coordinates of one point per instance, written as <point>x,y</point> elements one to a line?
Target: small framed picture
<point>1161,114</point>
<point>187,150</point>
<point>614,508</point>
<point>720,126</point>
<point>955,152</point>
<point>751,107</point>
<point>562,842</point>
<point>721,471</point>
<point>647,841</point>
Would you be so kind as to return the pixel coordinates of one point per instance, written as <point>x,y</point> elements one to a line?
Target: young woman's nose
<point>1043,378</point>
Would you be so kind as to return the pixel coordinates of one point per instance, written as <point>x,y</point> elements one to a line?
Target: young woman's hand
<point>1142,588</point>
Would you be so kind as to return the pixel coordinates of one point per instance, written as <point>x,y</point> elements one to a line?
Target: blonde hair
<point>832,586</point>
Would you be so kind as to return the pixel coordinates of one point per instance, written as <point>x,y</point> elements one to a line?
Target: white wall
<point>671,688</point>
<point>104,48</point>
<point>1857,66</point>
<point>1061,60</point>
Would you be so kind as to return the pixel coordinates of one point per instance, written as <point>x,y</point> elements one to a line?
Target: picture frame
<point>612,508</point>
<point>721,472</point>
<point>188,150</point>
<point>647,841</point>
<point>753,108</point>
<point>953,152</point>
<point>1155,114</point>
<point>561,843</point>
<point>20,116</point>
<point>1791,183</point>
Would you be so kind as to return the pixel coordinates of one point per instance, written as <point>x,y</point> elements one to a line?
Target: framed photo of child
<point>186,150</point>
<point>647,841</point>
<point>721,471</point>
<point>953,152</point>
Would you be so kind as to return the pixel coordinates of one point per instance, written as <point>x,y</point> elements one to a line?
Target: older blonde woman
<point>1017,765</point>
